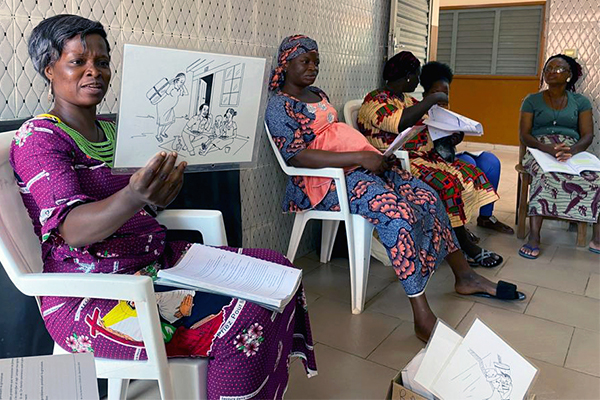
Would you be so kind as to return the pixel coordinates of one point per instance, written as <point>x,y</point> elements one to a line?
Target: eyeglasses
<point>558,70</point>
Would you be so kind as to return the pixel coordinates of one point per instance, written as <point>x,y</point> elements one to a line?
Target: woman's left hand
<point>457,137</point>
<point>563,152</point>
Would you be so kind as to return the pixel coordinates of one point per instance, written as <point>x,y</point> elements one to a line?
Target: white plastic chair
<point>358,230</point>
<point>20,255</point>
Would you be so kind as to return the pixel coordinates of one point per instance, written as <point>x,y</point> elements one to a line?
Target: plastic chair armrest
<point>208,222</point>
<point>102,286</point>
<point>319,172</point>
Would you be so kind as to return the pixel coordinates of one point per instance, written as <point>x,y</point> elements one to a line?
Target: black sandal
<point>479,259</point>
<point>504,291</point>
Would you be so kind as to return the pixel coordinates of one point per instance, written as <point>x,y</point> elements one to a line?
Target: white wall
<point>351,35</point>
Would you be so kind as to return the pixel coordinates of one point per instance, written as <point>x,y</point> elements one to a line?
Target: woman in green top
<point>559,122</point>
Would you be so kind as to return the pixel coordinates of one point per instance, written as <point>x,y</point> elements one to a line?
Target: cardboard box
<point>398,392</point>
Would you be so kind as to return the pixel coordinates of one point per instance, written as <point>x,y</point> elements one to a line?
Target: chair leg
<point>117,389</point>
<point>328,234</point>
<point>523,206</point>
<point>360,258</point>
<point>581,234</point>
<point>299,223</point>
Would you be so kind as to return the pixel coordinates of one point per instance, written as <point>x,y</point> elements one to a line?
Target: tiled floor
<point>557,328</point>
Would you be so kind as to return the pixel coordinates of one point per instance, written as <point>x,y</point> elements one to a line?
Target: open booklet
<point>208,269</point>
<point>575,165</point>
<point>57,377</point>
<point>443,122</point>
<point>402,138</point>
<point>479,366</point>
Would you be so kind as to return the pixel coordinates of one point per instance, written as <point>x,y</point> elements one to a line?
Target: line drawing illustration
<point>201,133</point>
<point>497,375</point>
<point>203,106</point>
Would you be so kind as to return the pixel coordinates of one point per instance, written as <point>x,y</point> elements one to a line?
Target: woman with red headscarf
<point>408,215</point>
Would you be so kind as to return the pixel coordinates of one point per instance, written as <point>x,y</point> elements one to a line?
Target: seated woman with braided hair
<point>463,189</point>
<point>559,122</point>
<point>408,215</point>
<point>91,221</point>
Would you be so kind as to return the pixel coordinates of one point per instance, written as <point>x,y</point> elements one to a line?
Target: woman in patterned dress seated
<point>408,215</point>
<point>559,122</point>
<point>91,221</point>
<point>463,188</point>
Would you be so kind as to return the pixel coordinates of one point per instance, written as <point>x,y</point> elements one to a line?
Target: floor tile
<point>399,348</point>
<point>333,324</point>
<point>584,353</point>
<point>341,376</point>
<point>508,246</point>
<point>558,383</point>
<point>307,264</point>
<point>565,308</point>
<point>593,287</point>
<point>333,282</point>
<point>552,276</point>
<point>577,259</point>
<point>530,336</point>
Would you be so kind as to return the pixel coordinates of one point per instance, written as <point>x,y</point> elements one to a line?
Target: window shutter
<point>411,27</point>
<point>491,41</point>
<point>518,41</point>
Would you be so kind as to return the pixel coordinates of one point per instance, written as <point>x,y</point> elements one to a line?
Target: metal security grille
<point>575,24</point>
<point>409,27</point>
<point>491,41</point>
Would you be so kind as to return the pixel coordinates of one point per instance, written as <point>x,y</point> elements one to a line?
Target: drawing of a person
<point>199,128</point>
<point>227,131</point>
<point>498,377</point>
<point>165,108</point>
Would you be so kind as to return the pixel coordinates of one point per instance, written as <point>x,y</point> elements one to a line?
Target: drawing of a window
<point>232,85</point>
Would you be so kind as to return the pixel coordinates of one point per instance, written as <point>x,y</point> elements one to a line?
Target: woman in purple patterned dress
<point>91,221</point>
<point>408,215</point>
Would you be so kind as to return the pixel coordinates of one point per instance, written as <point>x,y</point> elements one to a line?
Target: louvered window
<point>491,41</point>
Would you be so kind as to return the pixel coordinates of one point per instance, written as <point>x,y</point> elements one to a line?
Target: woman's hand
<point>159,182</point>
<point>562,152</point>
<point>456,138</point>
<point>440,98</point>
<point>375,162</point>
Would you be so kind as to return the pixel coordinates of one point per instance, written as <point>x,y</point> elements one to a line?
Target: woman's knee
<point>489,162</point>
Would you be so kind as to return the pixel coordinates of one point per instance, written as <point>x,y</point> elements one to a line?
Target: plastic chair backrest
<point>286,168</point>
<point>351,112</point>
<point>19,246</point>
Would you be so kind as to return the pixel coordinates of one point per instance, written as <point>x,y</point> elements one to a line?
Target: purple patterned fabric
<point>249,346</point>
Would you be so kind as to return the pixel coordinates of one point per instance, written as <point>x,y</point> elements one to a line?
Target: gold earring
<point>50,93</point>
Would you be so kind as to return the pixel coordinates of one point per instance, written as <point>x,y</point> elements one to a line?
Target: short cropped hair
<point>435,71</point>
<point>48,39</point>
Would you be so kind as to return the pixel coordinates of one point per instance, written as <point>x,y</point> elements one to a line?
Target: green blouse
<point>567,119</point>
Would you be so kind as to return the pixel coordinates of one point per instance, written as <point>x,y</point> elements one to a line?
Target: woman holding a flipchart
<point>463,188</point>
<point>89,220</point>
<point>559,122</point>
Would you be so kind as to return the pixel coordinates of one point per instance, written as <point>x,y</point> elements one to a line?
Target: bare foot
<point>471,282</point>
<point>424,328</point>
<point>595,245</point>
<point>531,248</point>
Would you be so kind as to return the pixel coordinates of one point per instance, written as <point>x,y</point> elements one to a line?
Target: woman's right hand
<point>439,98</point>
<point>159,182</point>
<point>374,162</point>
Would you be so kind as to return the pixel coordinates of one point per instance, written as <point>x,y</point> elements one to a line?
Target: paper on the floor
<point>58,377</point>
<point>442,343</point>
<point>213,270</point>
<point>408,376</point>
<point>482,366</point>
<point>443,122</point>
